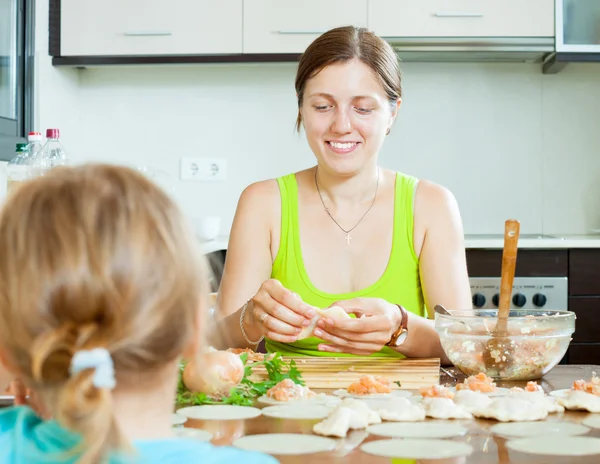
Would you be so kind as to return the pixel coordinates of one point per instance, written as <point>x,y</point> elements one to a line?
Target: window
<point>16,73</point>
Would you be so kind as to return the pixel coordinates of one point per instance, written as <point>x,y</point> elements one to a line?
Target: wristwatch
<point>401,333</point>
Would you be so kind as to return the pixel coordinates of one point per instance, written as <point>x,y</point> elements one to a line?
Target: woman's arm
<point>442,266</point>
<point>442,257</point>
<point>248,264</point>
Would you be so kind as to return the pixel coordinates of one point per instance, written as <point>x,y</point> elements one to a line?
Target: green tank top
<point>399,283</point>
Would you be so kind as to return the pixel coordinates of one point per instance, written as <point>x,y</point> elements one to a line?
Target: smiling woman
<point>381,245</point>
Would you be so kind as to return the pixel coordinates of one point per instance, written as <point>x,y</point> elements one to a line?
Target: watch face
<point>401,338</point>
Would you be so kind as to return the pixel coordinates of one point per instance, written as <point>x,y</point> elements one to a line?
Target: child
<point>101,293</point>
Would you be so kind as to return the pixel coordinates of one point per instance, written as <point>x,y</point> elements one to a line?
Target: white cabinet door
<point>150,27</point>
<point>462,18</point>
<point>286,26</point>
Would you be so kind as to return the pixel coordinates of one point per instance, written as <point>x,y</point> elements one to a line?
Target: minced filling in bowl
<point>538,341</point>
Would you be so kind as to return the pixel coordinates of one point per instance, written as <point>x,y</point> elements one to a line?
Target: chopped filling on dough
<point>369,384</point>
<point>480,382</point>
<point>287,390</point>
<point>436,391</point>
<point>593,386</point>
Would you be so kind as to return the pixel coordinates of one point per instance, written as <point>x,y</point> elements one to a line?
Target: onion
<point>213,373</point>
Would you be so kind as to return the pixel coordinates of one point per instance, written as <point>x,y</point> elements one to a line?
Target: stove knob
<point>519,300</point>
<point>478,300</point>
<point>496,299</point>
<point>539,300</point>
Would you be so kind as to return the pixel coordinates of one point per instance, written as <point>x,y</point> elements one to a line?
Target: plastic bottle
<point>19,168</point>
<point>52,154</point>
<point>35,144</point>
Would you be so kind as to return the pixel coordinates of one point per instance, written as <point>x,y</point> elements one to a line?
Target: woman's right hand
<point>277,313</point>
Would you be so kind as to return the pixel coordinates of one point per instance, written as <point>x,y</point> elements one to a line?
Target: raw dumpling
<point>401,410</point>
<point>550,404</point>
<point>444,408</point>
<point>337,423</point>
<point>335,312</point>
<point>362,409</point>
<point>472,400</point>
<point>349,414</point>
<point>580,400</point>
<point>510,409</point>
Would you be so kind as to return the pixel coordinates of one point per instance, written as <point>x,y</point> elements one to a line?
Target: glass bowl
<point>539,340</point>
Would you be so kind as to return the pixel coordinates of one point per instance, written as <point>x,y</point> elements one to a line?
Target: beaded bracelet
<point>242,326</point>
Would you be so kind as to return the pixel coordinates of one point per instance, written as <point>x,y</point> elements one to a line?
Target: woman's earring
<point>388,131</point>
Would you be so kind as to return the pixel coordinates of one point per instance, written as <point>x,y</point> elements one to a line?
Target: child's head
<point>92,257</point>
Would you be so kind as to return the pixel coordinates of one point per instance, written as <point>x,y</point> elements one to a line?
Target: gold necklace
<point>347,232</point>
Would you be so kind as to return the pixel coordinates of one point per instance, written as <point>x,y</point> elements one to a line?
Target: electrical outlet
<point>203,169</point>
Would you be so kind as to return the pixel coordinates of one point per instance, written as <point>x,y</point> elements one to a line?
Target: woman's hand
<point>376,321</point>
<point>277,313</point>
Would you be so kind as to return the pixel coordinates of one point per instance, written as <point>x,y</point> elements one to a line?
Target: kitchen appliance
<point>577,33</point>
<point>545,293</point>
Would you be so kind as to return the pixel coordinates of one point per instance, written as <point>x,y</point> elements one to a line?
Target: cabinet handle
<point>292,32</point>
<point>458,15</point>
<point>147,33</point>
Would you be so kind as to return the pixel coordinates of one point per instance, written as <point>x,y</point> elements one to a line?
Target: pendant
<point>348,238</point>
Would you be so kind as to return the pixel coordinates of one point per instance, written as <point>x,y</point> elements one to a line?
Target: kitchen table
<point>487,448</point>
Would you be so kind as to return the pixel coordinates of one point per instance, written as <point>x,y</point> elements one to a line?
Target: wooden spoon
<point>499,350</point>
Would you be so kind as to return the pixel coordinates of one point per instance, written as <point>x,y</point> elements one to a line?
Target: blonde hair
<point>95,256</point>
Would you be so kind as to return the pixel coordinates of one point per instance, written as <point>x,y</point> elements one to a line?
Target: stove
<point>549,293</point>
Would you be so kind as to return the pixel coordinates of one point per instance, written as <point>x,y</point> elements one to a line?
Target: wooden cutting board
<point>325,372</point>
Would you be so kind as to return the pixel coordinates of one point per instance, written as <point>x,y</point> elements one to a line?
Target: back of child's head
<point>91,257</point>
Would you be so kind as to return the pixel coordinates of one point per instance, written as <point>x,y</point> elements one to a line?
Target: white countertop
<point>477,241</point>
<point>549,242</point>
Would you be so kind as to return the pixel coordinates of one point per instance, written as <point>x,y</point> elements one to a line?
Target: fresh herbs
<point>247,390</point>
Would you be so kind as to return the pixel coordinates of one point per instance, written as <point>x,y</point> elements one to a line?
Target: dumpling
<point>472,400</point>
<point>580,400</point>
<point>401,410</point>
<point>335,312</point>
<point>550,404</point>
<point>444,408</point>
<point>349,414</point>
<point>510,409</point>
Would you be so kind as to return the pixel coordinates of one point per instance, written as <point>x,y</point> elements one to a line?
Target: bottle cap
<point>21,147</point>
<point>34,136</point>
<point>52,133</point>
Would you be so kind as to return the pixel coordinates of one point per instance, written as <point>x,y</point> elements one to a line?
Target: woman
<point>346,232</point>
<point>101,294</point>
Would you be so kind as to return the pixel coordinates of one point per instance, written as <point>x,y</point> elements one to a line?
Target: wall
<point>506,139</point>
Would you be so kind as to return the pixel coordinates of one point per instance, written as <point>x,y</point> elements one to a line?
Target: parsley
<point>246,391</point>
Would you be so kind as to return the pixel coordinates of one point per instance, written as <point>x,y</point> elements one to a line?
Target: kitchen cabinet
<point>150,27</point>
<point>584,300</point>
<point>462,18</point>
<point>285,26</point>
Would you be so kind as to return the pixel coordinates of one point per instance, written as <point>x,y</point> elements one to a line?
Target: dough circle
<point>417,449</point>
<point>219,412</point>
<point>285,443</point>
<point>416,430</point>
<point>189,432</point>
<point>592,421</point>
<point>307,411</point>
<point>550,446</point>
<point>538,429</point>
<point>177,419</point>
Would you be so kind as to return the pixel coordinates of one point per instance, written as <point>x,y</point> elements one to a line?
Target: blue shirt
<point>25,438</point>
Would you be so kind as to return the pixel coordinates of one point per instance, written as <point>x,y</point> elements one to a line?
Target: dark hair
<point>343,44</point>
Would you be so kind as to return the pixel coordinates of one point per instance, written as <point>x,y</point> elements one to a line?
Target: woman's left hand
<point>376,321</point>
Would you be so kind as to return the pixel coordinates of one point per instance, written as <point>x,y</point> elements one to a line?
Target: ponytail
<point>80,384</point>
